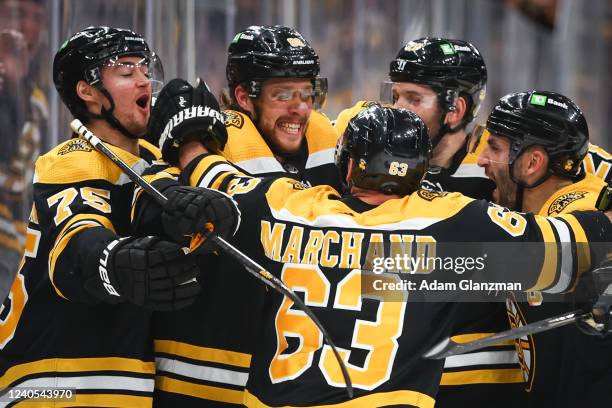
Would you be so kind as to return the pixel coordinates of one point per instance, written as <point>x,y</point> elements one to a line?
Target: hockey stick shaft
<point>448,347</point>
<point>250,265</point>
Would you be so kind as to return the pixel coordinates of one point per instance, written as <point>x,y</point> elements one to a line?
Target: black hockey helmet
<point>546,119</point>
<point>83,56</point>
<point>389,147</point>
<point>264,52</point>
<point>451,67</point>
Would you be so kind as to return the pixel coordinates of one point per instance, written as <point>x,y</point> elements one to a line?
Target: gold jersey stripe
<point>582,247</point>
<point>549,267</point>
<point>206,392</point>
<point>378,399</point>
<point>78,365</point>
<point>63,240</point>
<point>201,167</point>
<point>464,338</point>
<point>213,355</point>
<point>150,147</point>
<point>94,400</point>
<point>490,376</point>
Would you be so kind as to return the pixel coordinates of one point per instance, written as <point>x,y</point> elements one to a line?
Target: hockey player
<point>273,128</point>
<point>272,121</point>
<point>78,313</point>
<point>318,242</point>
<point>444,82</point>
<point>535,146</point>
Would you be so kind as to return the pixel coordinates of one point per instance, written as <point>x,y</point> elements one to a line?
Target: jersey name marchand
<point>332,248</point>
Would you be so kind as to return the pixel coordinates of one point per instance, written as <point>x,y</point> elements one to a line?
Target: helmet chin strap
<point>521,186</point>
<point>107,114</point>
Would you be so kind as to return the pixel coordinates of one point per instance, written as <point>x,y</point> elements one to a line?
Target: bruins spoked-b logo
<point>75,145</point>
<point>563,201</point>
<point>525,346</point>
<point>232,118</point>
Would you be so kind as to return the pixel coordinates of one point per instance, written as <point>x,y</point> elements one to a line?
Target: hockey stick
<point>250,265</point>
<point>448,347</point>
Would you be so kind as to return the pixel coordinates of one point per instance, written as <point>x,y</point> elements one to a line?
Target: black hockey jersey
<point>318,246</point>
<point>201,359</point>
<point>52,333</point>
<point>546,358</point>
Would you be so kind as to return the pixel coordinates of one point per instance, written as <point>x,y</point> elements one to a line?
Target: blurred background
<point>557,45</point>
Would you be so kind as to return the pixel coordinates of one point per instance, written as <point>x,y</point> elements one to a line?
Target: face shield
<point>319,92</point>
<point>149,66</point>
<point>488,148</point>
<point>401,95</point>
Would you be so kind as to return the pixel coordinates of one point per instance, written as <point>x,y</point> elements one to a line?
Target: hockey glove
<point>197,210</point>
<point>182,110</point>
<point>596,287</point>
<point>147,272</point>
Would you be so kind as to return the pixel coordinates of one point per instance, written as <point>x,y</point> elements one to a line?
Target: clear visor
<point>486,147</point>
<point>397,95</point>
<point>151,67</point>
<point>315,95</point>
<point>320,93</point>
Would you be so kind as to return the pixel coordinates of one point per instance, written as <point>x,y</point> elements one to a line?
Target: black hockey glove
<point>182,110</point>
<point>147,271</point>
<point>596,287</point>
<point>197,210</point>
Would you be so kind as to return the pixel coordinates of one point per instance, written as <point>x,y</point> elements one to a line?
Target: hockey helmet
<point>546,119</point>
<point>83,56</point>
<point>389,147</point>
<point>450,67</point>
<point>265,52</point>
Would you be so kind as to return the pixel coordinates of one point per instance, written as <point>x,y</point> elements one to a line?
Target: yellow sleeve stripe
<point>495,376</point>
<point>549,268</point>
<point>64,237</point>
<point>75,365</point>
<point>205,392</point>
<point>203,353</point>
<point>379,399</point>
<point>95,400</point>
<point>198,173</point>
<point>582,247</point>
<point>464,338</point>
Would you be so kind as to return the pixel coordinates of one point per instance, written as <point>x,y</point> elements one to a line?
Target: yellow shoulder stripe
<point>492,376</point>
<point>76,160</point>
<point>312,203</point>
<point>464,338</point>
<point>346,115</point>
<point>203,353</point>
<point>95,400</point>
<point>549,267</point>
<point>64,238</point>
<point>581,195</point>
<point>75,365</point>
<point>206,392</point>
<point>150,147</point>
<point>243,140</point>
